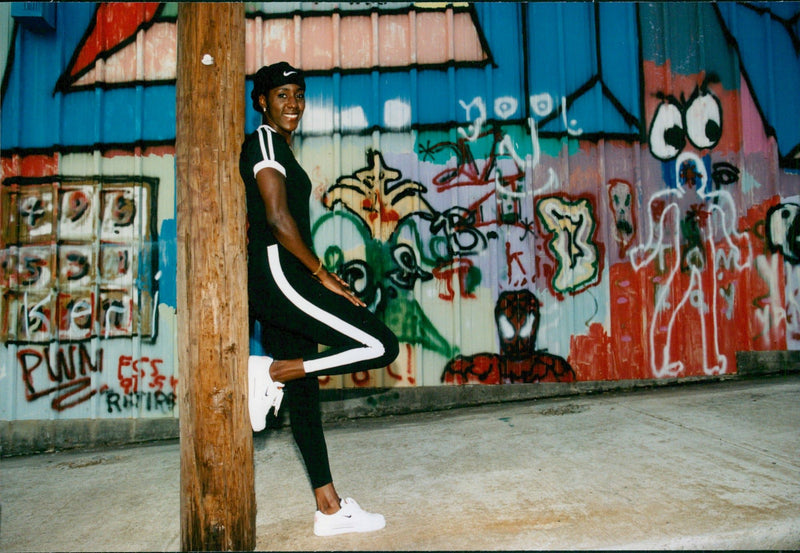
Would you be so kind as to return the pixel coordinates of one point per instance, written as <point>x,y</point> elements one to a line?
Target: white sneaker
<point>263,393</point>
<point>350,518</point>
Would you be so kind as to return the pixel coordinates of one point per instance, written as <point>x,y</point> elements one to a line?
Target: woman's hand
<point>272,186</point>
<point>335,283</point>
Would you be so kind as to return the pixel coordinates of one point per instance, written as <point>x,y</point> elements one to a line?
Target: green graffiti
<point>572,225</point>
<point>401,312</point>
<point>410,324</point>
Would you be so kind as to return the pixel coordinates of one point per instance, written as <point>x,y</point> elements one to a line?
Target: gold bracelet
<point>318,268</point>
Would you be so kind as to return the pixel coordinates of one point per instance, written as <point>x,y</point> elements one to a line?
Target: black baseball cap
<point>273,76</point>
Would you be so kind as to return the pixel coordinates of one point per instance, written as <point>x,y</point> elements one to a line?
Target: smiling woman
<point>283,106</point>
<point>298,303</point>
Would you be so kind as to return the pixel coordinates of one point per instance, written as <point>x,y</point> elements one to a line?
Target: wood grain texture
<point>217,483</point>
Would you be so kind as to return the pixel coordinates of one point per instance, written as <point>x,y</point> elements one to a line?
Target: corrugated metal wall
<point>525,192</point>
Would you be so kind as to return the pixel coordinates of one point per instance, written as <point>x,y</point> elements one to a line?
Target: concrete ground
<point>700,466</point>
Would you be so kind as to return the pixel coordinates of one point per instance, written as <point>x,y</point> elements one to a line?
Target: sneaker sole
<point>258,415</point>
<point>347,530</point>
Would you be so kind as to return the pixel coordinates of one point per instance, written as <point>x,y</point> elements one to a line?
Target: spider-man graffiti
<point>692,224</point>
<point>517,317</point>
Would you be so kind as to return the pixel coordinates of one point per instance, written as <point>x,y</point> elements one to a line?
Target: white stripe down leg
<point>372,348</point>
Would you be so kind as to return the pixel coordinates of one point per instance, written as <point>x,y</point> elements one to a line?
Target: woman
<point>297,301</point>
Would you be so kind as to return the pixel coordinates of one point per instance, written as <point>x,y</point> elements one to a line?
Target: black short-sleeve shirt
<point>266,148</point>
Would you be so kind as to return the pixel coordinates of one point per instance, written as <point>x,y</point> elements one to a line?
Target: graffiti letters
<point>72,273</point>
<point>64,373</point>
<point>460,237</point>
<point>462,271</point>
<point>408,271</point>
<point>572,226</point>
<point>131,374</point>
<point>163,402</point>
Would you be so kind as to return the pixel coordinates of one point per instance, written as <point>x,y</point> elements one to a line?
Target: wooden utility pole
<point>217,484</point>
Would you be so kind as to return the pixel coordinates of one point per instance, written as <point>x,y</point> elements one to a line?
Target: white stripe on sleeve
<point>267,152</point>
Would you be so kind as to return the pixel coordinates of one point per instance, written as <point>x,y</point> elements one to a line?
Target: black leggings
<point>296,314</point>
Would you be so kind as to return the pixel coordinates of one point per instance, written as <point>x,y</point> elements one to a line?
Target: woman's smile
<point>284,108</point>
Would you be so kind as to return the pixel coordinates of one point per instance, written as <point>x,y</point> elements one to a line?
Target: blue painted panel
<point>395,101</point>
<point>433,103</point>
<point>560,56</point>
<point>37,101</point>
<point>472,83</point>
<point>159,109</point>
<point>357,101</point>
<point>77,114</point>
<point>252,119</point>
<point>319,116</point>
<point>118,129</point>
<point>502,26</point>
<point>556,66</point>
<point>34,101</point>
<point>765,43</point>
<point>619,47</point>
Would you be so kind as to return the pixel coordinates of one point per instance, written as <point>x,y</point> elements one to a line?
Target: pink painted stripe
<point>153,56</point>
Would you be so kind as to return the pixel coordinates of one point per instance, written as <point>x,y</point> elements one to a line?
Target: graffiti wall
<point>525,192</point>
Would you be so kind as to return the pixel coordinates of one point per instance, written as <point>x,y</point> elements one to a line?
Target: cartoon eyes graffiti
<point>699,120</point>
<point>704,120</point>
<point>667,136</point>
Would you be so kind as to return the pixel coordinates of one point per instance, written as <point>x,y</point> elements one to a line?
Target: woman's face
<point>285,105</point>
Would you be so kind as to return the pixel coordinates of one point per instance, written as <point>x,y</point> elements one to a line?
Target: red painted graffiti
<point>132,372</point>
<point>65,375</point>
<point>68,379</point>
<point>459,268</point>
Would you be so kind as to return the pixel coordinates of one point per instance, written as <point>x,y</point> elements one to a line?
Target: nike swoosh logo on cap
<point>287,73</point>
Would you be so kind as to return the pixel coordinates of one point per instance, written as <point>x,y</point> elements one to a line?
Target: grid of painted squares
<point>76,259</point>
